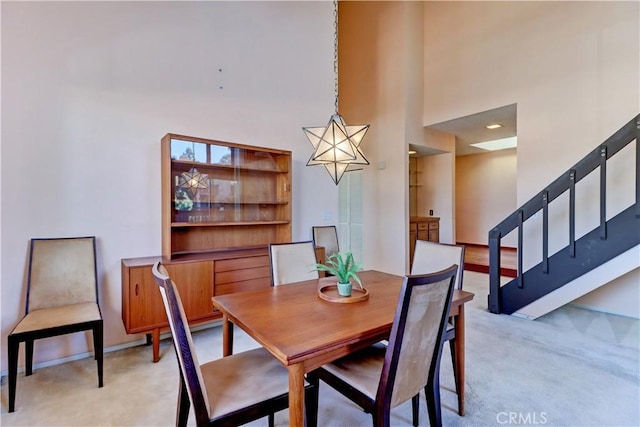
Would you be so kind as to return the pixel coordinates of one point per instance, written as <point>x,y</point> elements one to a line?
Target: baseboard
<point>600,310</point>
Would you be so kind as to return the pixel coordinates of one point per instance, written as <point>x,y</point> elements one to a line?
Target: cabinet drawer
<point>245,285</point>
<point>413,226</point>
<point>433,226</point>
<point>242,263</point>
<point>423,225</point>
<point>240,275</point>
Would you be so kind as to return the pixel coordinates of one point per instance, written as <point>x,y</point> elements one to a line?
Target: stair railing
<point>597,159</point>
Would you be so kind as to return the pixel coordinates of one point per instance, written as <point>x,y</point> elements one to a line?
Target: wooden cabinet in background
<point>422,228</point>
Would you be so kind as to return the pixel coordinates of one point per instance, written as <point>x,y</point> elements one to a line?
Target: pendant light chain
<point>336,146</point>
<point>335,52</point>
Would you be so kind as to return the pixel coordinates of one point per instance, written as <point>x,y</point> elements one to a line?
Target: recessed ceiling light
<point>493,126</point>
<point>498,144</point>
<point>412,152</point>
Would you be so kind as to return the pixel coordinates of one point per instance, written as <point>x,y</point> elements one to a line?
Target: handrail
<point>596,159</point>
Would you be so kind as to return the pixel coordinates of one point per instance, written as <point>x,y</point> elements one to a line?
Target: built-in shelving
<point>220,196</point>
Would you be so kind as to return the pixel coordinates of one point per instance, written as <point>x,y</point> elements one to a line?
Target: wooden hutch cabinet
<point>222,204</point>
<point>220,196</point>
<point>422,228</point>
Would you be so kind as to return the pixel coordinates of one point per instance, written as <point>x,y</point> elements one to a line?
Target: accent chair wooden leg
<point>28,368</point>
<point>98,350</point>
<point>13,347</point>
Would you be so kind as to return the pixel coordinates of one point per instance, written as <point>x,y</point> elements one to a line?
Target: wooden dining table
<point>303,331</point>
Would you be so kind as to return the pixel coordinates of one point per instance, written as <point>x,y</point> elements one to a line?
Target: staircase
<point>601,255</point>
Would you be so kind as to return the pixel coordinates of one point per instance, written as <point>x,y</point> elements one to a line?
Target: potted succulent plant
<point>343,266</point>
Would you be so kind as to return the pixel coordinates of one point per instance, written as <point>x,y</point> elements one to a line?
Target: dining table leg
<point>227,337</point>
<point>459,349</point>
<point>296,395</point>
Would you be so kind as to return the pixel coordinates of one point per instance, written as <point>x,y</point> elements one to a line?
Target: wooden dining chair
<point>379,378</point>
<point>230,391</point>
<point>62,298</point>
<point>292,262</point>
<point>432,256</point>
<point>327,237</point>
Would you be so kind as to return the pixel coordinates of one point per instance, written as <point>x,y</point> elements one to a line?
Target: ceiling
<point>471,129</point>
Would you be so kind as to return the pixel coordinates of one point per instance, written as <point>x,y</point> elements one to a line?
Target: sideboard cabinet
<point>422,228</point>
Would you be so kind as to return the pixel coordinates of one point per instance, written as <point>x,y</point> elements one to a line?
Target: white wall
<point>88,90</point>
<point>572,68</point>
<point>485,194</point>
<point>621,297</point>
<point>437,191</point>
<point>380,87</point>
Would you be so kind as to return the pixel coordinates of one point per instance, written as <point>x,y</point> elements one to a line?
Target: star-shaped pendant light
<point>336,146</point>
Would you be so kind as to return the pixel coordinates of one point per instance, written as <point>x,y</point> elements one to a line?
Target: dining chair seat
<point>54,317</point>
<point>242,380</point>
<point>361,369</point>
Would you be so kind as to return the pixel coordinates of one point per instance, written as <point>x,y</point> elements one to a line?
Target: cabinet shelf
<point>187,164</point>
<point>226,223</point>
<point>206,205</point>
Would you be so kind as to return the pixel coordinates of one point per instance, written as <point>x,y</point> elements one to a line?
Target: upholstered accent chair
<point>327,237</point>
<point>379,378</point>
<point>230,391</point>
<point>292,262</point>
<point>432,256</point>
<point>62,298</point>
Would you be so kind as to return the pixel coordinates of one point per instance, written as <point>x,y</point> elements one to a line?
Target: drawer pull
<point>137,289</point>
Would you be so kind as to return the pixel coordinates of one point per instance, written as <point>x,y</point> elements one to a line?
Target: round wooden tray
<point>330,293</point>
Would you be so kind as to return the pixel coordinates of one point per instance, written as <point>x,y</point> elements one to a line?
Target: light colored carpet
<point>572,367</point>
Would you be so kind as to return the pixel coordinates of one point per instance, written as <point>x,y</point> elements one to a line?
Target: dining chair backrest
<point>416,338</point>
<point>292,262</point>
<point>429,257</point>
<point>62,271</point>
<point>327,237</point>
<point>183,343</point>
